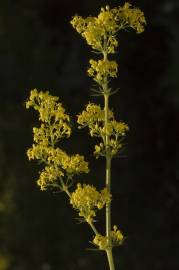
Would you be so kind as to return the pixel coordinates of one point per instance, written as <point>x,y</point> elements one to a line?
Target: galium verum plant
<point>61,169</point>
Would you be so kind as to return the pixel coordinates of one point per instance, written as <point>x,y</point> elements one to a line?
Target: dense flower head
<point>59,164</point>
<point>71,165</point>
<point>48,107</point>
<point>117,236</point>
<point>102,241</point>
<point>75,164</point>
<point>94,118</point>
<point>102,69</point>
<point>100,31</point>
<point>113,148</point>
<point>48,177</point>
<point>133,17</point>
<point>114,128</point>
<point>86,199</point>
<point>55,122</point>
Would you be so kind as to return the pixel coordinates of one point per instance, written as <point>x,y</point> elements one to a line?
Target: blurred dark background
<point>39,49</point>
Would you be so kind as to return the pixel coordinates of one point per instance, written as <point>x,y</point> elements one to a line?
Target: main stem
<point>108,186</point>
<point>108,170</point>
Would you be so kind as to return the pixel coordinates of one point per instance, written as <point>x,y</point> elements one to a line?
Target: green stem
<point>108,172</point>
<point>93,228</point>
<point>68,193</point>
<point>108,186</point>
<point>110,259</point>
<point>108,205</point>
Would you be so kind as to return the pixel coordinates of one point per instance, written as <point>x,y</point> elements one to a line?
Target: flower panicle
<point>100,31</point>
<point>55,125</point>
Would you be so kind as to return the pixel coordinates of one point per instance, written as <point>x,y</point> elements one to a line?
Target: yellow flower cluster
<point>113,148</point>
<point>48,107</point>
<point>102,69</point>
<point>86,199</point>
<point>94,118</point>
<point>49,177</point>
<point>116,236</point>
<point>114,128</point>
<point>74,164</point>
<point>133,17</point>
<point>38,151</point>
<point>100,32</point>
<point>102,241</point>
<point>55,126</point>
<point>59,164</point>
<point>55,122</point>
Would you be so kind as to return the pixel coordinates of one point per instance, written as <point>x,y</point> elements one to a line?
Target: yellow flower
<point>120,128</point>
<point>105,196</point>
<point>117,236</point>
<point>100,31</point>
<point>86,199</point>
<point>102,69</point>
<point>38,151</point>
<point>48,177</point>
<point>75,164</point>
<point>99,150</point>
<point>55,121</point>
<point>54,126</point>
<point>94,118</point>
<point>92,114</point>
<point>101,241</point>
<point>45,104</point>
<point>133,17</point>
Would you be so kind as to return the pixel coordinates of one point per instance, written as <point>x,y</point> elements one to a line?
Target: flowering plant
<point>60,168</point>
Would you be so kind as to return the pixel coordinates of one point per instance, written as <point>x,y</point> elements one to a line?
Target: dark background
<point>39,49</point>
